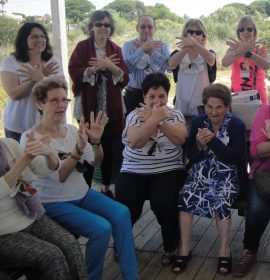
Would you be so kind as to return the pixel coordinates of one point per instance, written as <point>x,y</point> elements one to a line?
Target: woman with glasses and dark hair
<point>98,73</point>
<point>31,61</point>
<point>152,167</point>
<point>192,60</point>
<point>65,194</point>
<point>248,59</point>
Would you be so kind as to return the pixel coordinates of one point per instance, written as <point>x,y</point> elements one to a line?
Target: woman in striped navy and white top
<point>152,166</point>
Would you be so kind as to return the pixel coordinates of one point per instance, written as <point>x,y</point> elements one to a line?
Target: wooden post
<point>60,40</point>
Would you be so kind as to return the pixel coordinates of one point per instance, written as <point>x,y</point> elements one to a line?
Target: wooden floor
<point>205,245</point>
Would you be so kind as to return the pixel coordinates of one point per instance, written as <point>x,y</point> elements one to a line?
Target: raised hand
<point>35,147</point>
<point>95,129</point>
<point>34,74</point>
<point>144,112</point>
<point>148,46</point>
<point>50,68</point>
<point>160,113</point>
<point>82,135</point>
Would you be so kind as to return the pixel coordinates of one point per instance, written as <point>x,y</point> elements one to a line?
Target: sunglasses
<point>150,27</point>
<point>248,29</point>
<point>197,32</point>
<point>100,24</point>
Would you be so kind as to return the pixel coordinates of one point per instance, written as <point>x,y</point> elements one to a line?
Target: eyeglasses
<point>197,32</point>
<point>150,27</point>
<point>38,36</point>
<point>57,101</point>
<point>100,24</point>
<point>248,29</point>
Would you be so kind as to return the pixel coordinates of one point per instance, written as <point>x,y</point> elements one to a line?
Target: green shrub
<point>8,30</point>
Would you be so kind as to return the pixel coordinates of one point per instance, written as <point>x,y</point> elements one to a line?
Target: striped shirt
<point>133,57</point>
<point>158,155</point>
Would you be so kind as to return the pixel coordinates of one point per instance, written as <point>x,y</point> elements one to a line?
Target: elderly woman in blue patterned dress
<point>216,153</point>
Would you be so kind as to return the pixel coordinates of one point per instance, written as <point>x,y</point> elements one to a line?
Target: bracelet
<point>74,157</point>
<point>78,151</point>
<point>95,145</point>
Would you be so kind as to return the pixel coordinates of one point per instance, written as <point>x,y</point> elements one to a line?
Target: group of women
<point>152,165</point>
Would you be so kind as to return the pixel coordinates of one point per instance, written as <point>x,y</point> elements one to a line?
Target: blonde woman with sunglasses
<point>192,59</point>
<point>248,59</point>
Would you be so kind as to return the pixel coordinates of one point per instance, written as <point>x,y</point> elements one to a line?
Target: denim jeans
<point>257,218</point>
<point>96,217</point>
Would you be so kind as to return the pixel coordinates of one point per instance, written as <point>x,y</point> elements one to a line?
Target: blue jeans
<point>96,217</point>
<point>257,218</point>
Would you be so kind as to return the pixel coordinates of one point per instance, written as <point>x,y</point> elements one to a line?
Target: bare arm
<point>176,133</point>
<point>13,88</point>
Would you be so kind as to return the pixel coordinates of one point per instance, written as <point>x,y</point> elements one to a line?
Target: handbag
<point>28,200</point>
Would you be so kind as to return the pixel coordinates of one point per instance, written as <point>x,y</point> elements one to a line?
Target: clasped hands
<point>38,72</point>
<point>204,135</point>
<point>92,131</point>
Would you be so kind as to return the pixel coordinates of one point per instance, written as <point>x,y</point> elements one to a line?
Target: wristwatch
<point>95,145</point>
<point>248,54</point>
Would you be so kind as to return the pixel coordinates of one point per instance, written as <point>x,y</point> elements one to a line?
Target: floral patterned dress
<point>211,185</point>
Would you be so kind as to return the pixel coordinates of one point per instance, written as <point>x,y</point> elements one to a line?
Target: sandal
<point>168,258</point>
<point>181,263</point>
<point>224,263</point>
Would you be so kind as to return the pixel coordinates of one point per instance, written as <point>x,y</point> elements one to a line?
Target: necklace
<point>100,48</point>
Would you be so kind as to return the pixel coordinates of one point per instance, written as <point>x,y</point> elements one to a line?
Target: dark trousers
<point>133,98</point>
<point>112,160</point>
<point>162,190</point>
<point>257,218</point>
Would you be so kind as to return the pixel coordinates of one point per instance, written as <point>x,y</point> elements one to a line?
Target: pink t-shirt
<point>242,77</point>
<point>257,136</point>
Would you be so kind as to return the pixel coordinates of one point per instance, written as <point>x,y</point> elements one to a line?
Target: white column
<point>60,39</point>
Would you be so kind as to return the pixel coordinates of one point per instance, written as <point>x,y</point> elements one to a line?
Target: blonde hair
<point>243,22</point>
<point>194,21</point>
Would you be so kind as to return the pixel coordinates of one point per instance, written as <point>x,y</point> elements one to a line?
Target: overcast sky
<point>194,8</point>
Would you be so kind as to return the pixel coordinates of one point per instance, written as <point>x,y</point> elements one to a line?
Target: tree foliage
<point>127,9</point>
<point>8,30</point>
<point>78,10</point>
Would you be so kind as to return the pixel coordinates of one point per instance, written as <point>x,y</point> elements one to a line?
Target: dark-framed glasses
<point>38,36</point>
<point>100,24</point>
<point>144,26</point>
<point>248,29</point>
<point>57,101</point>
<point>197,32</point>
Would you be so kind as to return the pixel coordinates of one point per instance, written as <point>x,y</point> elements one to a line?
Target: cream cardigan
<point>12,219</point>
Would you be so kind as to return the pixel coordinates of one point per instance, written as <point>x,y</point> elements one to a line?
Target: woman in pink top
<point>247,59</point>
<point>258,212</point>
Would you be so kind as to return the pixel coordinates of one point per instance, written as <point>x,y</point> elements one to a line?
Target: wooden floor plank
<point>204,244</point>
